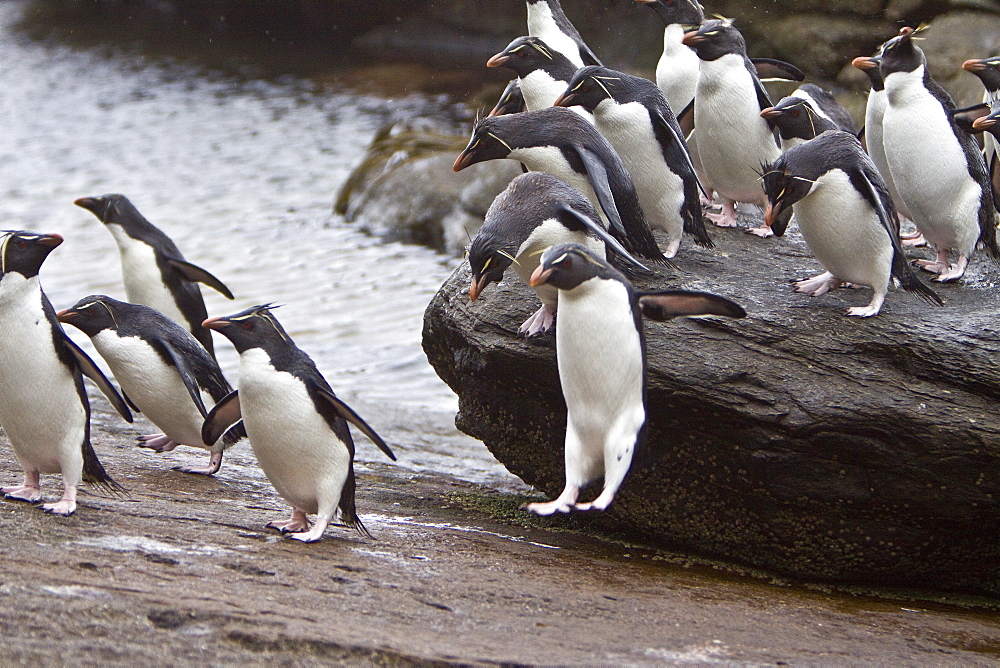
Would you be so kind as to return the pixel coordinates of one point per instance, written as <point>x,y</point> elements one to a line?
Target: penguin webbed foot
<point>563,504</point>
<point>297,523</point>
<point>915,240</point>
<point>725,219</point>
<point>873,307</point>
<point>539,322</point>
<point>314,534</point>
<point>763,231</point>
<point>953,273</point>
<point>817,285</point>
<point>64,507</point>
<point>214,464</point>
<point>26,493</point>
<point>156,442</point>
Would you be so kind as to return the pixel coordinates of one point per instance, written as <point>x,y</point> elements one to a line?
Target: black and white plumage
<point>548,21</point>
<point>845,215</point>
<point>600,351</point>
<point>296,425</point>
<point>511,100</point>
<point>163,371</point>
<point>677,68</point>
<point>536,211</point>
<point>936,167</point>
<point>796,120</point>
<point>44,407</point>
<point>558,141</point>
<point>990,124</point>
<point>988,71</point>
<point>542,72</point>
<point>154,271</point>
<point>633,115</point>
<point>824,104</point>
<point>733,139</point>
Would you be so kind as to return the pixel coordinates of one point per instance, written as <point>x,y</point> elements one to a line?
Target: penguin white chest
<point>540,90</point>
<point>141,276</point>
<point>550,159</point>
<point>40,410</point>
<point>549,233</point>
<point>543,25</point>
<point>677,69</point>
<point>844,233</point>
<point>302,457</point>
<point>153,385</point>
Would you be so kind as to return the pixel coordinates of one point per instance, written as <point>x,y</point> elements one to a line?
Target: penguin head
<point>511,100</point>
<point>526,54</point>
<point>489,258</point>
<point>487,143</point>
<point>988,71</point>
<point>685,12</point>
<point>589,87</point>
<point>92,314</point>
<point>900,54</point>
<point>795,118</point>
<point>568,265</point>
<point>783,189</point>
<point>255,327</point>
<point>105,207</point>
<point>870,66</point>
<point>714,39</point>
<point>24,252</point>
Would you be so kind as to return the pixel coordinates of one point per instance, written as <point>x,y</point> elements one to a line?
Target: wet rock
<point>819,44</point>
<point>797,439</point>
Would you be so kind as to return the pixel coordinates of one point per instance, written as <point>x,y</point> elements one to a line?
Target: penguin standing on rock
<point>536,211</point>
<point>633,115</point>
<point>44,407</point>
<point>845,215</point>
<point>162,369</point>
<point>547,20</point>
<point>937,168</point>
<point>543,73</point>
<point>600,350</point>
<point>557,141</point>
<point>154,271</point>
<point>296,425</point>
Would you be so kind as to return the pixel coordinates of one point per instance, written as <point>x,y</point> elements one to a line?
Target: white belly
<point>550,160</point>
<point>844,233</point>
<point>40,409</point>
<point>296,449</point>
<point>874,115</point>
<point>155,387</point>
<point>141,276</point>
<point>660,191</point>
<point>542,25</point>
<point>540,90</point>
<point>677,69</point>
<point>549,233</point>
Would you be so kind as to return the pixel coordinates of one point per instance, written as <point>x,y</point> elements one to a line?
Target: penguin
<point>937,168</point>
<point>677,68</point>
<point>846,216</point>
<point>824,104</point>
<point>560,142</point>
<point>154,271</point>
<point>547,21</point>
<point>601,356</point>
<point>733,139</point>
<point>536,211</point>
<point>633,115</point>
<point>163,371</point>
<point>44,408</point>
<point>990,124</point>
<point>796,120</point>
<point>296,425</point>
<point>511,100</point>
<point>543,73</point>
<point>988,71</point>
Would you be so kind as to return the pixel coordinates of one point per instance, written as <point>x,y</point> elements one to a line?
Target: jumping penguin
<point>154,271</point>
<point>600,351</point>
<point>163,371</point>
<point>44,407</point>
<point>296,425</point>
<point>547,21</point>
<point>536,211</point>
<point>557,141</point>
<point>845,215</point>
<point>937,168</point>
<point>633,115</point>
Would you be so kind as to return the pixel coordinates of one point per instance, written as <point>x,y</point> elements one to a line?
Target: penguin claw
<point>157,442</point>
<point>546,509</point>
<point>22,493</point>
<point>763,231</point>
<point>539,322</point>
<point>64,507</point>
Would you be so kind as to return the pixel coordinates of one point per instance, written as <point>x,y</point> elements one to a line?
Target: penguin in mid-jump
<point>633,115</point>
<point>548,21</point>
<point>163,371</point>
<point>558,141</point>
<point>44,407</point>
<point>536,211</point>
<point>600,351</point>
<point>937,167</point>
<point>154,271</point>
<point>846,216</point>
<point>296,425</point>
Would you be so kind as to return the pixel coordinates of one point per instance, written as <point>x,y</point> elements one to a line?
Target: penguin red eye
<point>22,244</point>
<point>794,113</point>
<point>247,325</point>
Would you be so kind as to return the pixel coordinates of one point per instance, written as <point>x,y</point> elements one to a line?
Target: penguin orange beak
<point>692,38</point>
<point>86,202</point>
<point>464,159</point>
<point>771,213</point>
<point>770,113</point>
<point>498,60</point>
<point>216,323</point>
<point>984,123</point>
<point>65,315</point>
<point>564,100</point>
<point>539,276</point>
<point>50,240</point>
<point>476,288</point>
<point>864,63</point>
<point>974,66</point>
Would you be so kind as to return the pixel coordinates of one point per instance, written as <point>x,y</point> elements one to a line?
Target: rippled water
<point>241,174</point>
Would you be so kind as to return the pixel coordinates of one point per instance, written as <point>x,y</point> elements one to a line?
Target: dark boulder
<point>798,439</point>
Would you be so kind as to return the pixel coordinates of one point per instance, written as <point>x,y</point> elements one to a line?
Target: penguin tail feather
<point>94,474</point>
<point>235,433</point>
<point>909,282</point>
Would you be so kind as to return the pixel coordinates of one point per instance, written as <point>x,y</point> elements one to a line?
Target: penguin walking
<point>633,115</point>
<point>163,371</point>
<point>44,407</point>
<point>600,351</point>
<point>846,216</point>
<point>733,139</point>
<point>937,168</point>
<point>548,21</point>
<point>557,141</point>
<point>797,121</point>
<point>542,72</point>
<point>296,425</point>
<point>154,271</point>
<point>536,211</point>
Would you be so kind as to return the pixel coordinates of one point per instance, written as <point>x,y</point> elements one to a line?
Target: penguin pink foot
<point>955,273</point>
<point>29,490</point>
<point>541,321</point>
<point>65,506</point>
<point>214,464</point>
<point>600,503</point>
<point>313,534</point>
<point>817,285</point>
<point>867,311</point>
<point>728,216</point>
<point>297,522</point>
<point>157,442</point>
<point>563,504</point>
<point>915,239</point>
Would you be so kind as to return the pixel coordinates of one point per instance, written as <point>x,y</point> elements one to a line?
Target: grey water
<point>241,173</point>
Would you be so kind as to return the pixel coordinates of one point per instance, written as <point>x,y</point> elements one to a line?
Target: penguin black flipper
<point>187,374</point>
<point>599,230</point>
<point>769,69</point>
<point>196,274</point>
<point>685,119</point>
<point>967,116</point>
<point>91,371</point>
<point>867,182</point>
<point>343,411</point>
<point>669,304</point>
<point>223,415</point>
<point>669,136</point>
<point>130,403</point>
